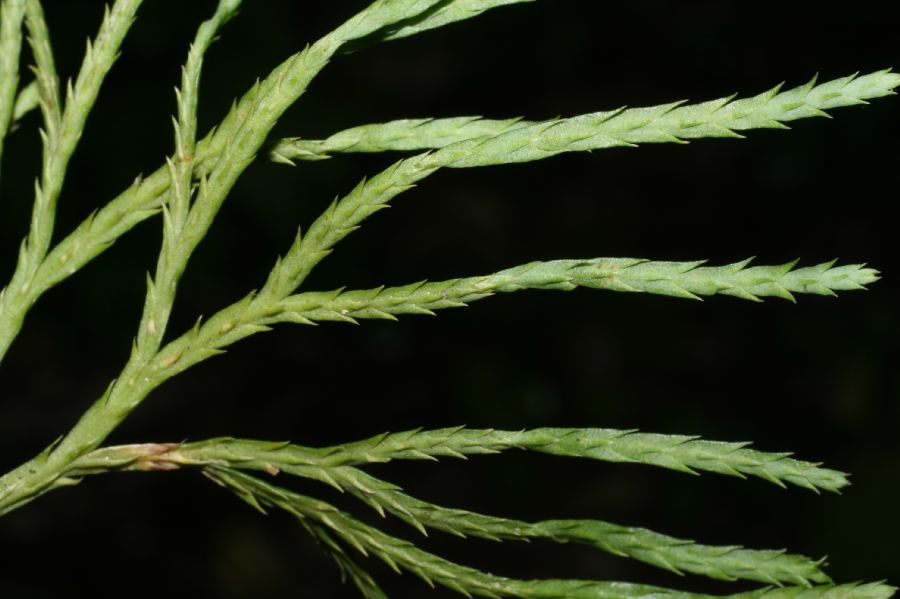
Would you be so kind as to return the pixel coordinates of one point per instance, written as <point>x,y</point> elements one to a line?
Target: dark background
<point>818,378</point>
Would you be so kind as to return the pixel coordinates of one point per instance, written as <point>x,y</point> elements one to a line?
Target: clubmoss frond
<point>675,279</point>
<point>403,555</point>
<point>683,453</point>
<point>514,140</point>
<point>256,313</point>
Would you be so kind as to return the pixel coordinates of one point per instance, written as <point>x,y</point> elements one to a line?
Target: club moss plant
<point>184,196</point>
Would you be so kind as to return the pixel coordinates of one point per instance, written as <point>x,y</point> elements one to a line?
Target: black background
<point>818,378</point>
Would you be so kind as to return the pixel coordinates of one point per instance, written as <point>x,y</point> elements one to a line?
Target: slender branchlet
<point>12,13</point>
<point>256,313</point>
<point>675,555</point>
<point>682,453</point>
<point>676,279</point>
<point>173,255</point>
<point>530,140</point>
<point>676,452</point>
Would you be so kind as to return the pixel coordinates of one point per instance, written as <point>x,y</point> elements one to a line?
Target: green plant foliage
<point>187,192</point>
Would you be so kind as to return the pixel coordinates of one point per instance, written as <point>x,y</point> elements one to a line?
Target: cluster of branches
<point>188,191</point>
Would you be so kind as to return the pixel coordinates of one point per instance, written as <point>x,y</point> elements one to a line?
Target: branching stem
<point>189,192</point>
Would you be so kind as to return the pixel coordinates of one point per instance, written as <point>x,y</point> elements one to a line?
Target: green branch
<point>257,312</point>
<point>176,245</point>
<point>675,452</point>
<point>675,279</point>
<point>514,140</point>
<point>403,555</point>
